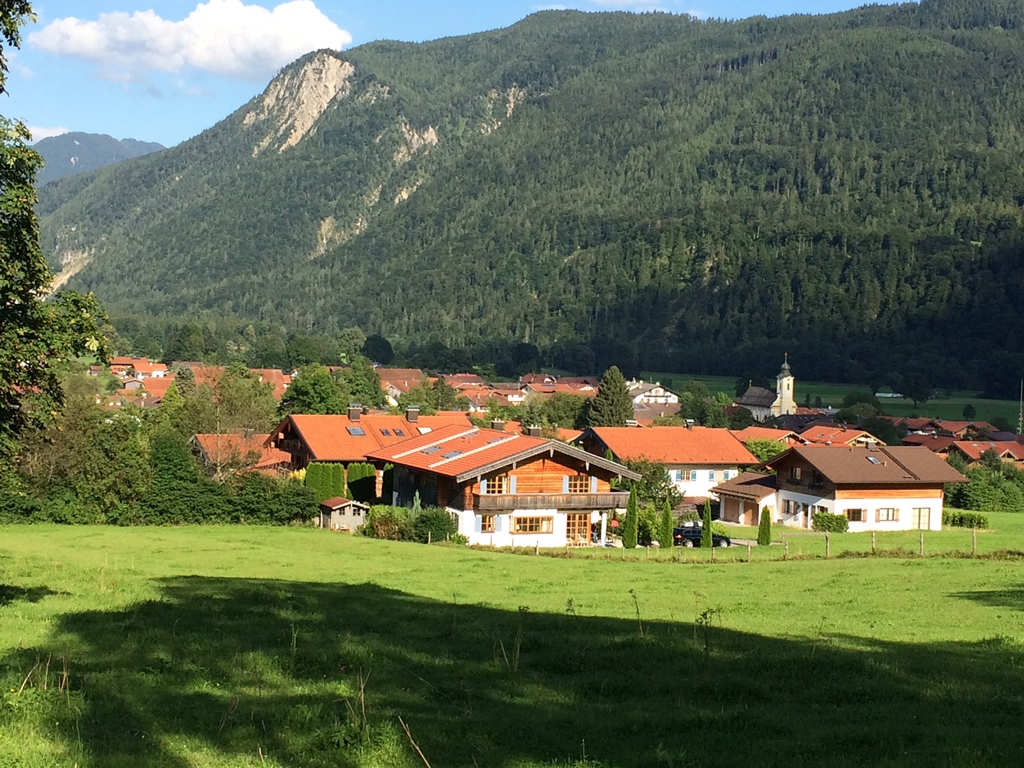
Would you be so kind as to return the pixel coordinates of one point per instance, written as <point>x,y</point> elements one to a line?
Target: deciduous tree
<point>35,335</point>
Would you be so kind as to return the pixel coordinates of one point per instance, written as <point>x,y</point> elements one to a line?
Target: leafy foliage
<point>765,449</point>
<point>631,522</point>
<point>826,521</point>
<point>959,519</point>
<point>665,527</point>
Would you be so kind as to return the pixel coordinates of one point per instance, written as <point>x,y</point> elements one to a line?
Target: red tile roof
<point>674,445</point>
<point>974,448</point>
<point>832,435</point>
<point>337,438</point>
<point>457,452</point>
<point>218,449</point>
<point>785,436</point>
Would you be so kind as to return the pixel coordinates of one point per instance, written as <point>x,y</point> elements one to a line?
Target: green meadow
<point>233,646</point>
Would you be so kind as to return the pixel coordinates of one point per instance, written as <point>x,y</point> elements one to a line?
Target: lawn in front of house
<point>232,646</point>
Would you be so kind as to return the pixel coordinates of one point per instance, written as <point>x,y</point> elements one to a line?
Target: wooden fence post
<point>536,548</point>
<point>786,556</point>
<point>873,549</point>
<point>974,542</point>
<point>748,553</point>
<point>826,545</point>
<point>647,554</point>
<point>920,550</point>
<point>712,553</point>
<point>428,537</point>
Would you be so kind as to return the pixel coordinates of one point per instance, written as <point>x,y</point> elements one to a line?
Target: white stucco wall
<point>680,477</point>
<point>469,524</point>
<point>905,511</point>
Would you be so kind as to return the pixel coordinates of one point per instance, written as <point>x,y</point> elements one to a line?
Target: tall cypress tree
<point>764,528</point>
<point>665,529</point>
<point>612,406</point>
<point>706,539</point>
<point>631,525</point>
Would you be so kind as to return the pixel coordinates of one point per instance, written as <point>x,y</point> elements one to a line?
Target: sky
<point>166,70</point>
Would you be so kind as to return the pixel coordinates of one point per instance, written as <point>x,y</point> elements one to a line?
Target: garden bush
<point>961,519</point>
<point>827,522</point>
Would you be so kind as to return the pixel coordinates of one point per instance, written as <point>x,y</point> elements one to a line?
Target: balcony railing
<point>593,501</point>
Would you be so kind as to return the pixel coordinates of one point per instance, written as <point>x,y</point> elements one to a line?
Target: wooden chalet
<point>508,489</point>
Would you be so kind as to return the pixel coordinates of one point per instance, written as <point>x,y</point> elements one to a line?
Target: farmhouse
<point>508,489</point>
<point>875,488</point>
<point>696,458</point>
<point>838,435</point>
<point>971,451</point>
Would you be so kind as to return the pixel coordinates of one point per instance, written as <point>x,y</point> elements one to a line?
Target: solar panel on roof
<point>451,454</point>
<point>430,450</point>
<point>355,431</point>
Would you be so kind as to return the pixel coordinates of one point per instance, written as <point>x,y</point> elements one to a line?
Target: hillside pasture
<point>297,647</point>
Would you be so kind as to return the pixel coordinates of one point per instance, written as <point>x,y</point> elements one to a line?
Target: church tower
<point>785,397</point>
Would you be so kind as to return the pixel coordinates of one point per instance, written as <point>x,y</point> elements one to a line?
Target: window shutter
<point>483,487</point>
<point>498,523</point>
<point>512,484</point>
<point>565,483</point>
<point>478,522</point>
<point>593,484</point>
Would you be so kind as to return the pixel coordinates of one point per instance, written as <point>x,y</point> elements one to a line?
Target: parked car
<point>690,536</point>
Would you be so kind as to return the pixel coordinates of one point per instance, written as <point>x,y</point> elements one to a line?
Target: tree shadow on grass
<point>239,668</point>
<point>1011,597</point>
<point>10,593</point>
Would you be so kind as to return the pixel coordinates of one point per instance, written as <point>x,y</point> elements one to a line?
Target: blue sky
<point>165,70</point>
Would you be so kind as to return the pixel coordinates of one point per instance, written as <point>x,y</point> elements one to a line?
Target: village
<point>515,483</point>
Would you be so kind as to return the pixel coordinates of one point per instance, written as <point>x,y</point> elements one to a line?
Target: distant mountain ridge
<point>73,153</point>
<point>648,190</point>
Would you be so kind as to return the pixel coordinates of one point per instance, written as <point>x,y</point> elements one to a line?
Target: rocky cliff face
<point>293,103</point>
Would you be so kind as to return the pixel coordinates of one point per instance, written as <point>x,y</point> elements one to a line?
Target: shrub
<point>826,521</point>
<point>437,522</point>
<point>961,519</point>
<point>386,522</point>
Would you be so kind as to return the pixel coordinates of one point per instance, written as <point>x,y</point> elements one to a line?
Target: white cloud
<point>224,37</point>
<point>39,133</point>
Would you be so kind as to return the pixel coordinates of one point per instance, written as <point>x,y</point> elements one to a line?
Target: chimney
<point>355,410</point>
<point>632,423</point>
<point>689,424</point>
<point>412,414</point>
<point>533,431</point>
<point>498,425</point>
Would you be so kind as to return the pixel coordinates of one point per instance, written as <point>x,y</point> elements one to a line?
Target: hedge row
<point>961,519</point>
<point>826,521</point>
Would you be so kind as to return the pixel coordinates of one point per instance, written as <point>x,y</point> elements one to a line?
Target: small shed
<point>340,514</point>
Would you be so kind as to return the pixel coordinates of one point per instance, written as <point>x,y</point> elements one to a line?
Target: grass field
<point>250,647</point>
<point>947,405</point>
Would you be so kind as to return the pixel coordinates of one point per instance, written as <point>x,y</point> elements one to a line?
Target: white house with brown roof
<point>696,458</point>
<point>876,488</point>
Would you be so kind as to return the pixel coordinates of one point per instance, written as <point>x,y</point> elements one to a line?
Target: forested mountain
<point>76,152</point>
<point>647,190</point>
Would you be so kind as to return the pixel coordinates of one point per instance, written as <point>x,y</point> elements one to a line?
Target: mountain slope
<point>74,153</point>
<point>648,190</point>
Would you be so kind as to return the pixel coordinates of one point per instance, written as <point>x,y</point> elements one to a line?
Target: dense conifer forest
<point>647,190</point>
